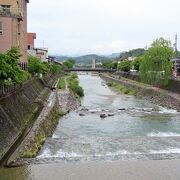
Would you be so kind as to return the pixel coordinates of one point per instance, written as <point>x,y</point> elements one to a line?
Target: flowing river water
<point>134,129</point>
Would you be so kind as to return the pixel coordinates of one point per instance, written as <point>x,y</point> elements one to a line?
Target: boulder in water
<point>81,114</point>
<point>103,115</point>
<point>110,114</point>
<point>122,109</point>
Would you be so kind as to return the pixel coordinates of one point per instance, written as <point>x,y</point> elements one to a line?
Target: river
<point>134,130</point>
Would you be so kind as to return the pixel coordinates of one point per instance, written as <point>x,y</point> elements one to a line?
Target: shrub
<point>73,84</point>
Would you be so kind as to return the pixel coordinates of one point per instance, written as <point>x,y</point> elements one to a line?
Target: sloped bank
<point>18,111</point>
<point>59,103</point>
<point>158,96</point>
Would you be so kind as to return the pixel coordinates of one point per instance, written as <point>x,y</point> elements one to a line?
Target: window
<point>5,9</point>
<point>1,28</point>
<point>29,47</point>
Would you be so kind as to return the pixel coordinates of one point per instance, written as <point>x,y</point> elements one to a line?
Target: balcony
<point>12,12</point>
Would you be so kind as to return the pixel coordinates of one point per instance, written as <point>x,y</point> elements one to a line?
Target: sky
<point>78,27</point>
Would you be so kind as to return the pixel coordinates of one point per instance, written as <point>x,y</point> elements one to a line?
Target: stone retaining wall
<point>158,96</point>
<point>174,84</point>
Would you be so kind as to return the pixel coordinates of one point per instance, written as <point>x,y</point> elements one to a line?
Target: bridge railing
<point>91,69</point>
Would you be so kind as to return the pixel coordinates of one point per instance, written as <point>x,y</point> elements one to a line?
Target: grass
<point>62,83</point>
<point>39,141</point>
<point>46,130</point>
<point>73,84</point>
<point>124,90</point>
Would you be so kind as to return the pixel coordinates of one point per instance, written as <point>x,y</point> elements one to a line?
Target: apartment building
<point>41,53</point>
<point>13,27</point>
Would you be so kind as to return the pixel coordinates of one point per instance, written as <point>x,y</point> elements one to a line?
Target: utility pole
<point>175,45</point>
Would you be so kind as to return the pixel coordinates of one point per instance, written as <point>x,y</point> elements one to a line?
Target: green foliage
<point>110,64</point>
<point>125,65</point>
<point>125,90</point>
<point>73,84</point>
<point>69,63</point>
<point>137,62</point>
<point>62,84</point>
<point>157,67</point>
<point>10,71</point>
<point>35,65</point>
<point>55,68</point>
<point>133,53</point>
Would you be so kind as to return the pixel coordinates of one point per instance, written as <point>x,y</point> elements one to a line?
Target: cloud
<point>81,26</point>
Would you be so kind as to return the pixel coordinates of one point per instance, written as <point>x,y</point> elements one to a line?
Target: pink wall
<point>6,37</point>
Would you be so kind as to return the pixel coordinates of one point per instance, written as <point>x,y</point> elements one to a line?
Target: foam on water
<point>163,134</point>
<point>46,153</point>
<point>166,151</point>
<point>167,111</point>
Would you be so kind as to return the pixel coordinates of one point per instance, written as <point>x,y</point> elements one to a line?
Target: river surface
<point>134,129</point>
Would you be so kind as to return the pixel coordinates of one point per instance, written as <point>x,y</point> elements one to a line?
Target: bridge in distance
<point>90,70</point>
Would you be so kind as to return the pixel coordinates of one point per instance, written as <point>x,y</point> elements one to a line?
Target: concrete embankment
<point>156,95</point>
<point>59,103</point>
<point>19,110</point>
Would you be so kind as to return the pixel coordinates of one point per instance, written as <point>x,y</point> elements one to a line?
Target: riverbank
<point>126,170</point>
<point>140,170</point>
<point>18,111</point>
<point>155,95</point>
<point>60,102</point>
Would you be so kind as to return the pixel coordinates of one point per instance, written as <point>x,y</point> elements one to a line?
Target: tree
<point>35,65</point>
<point>156,67</point>
<point>69,63</point>
<point>10,71</point>
<point>55,68</point>
<point>110,64</point>
<point>125,65</point>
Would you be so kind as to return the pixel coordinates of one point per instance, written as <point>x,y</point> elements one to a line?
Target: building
<point>13,27</point>
<point>30,44</point>
<point>42,53</point>
<point>176,62</point>
<point>30,40</point>
<point>93,63</point>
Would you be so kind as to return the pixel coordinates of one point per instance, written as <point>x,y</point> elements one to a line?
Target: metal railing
<point>13,12</point>
<point>4,90</point>
<point>47,81</point>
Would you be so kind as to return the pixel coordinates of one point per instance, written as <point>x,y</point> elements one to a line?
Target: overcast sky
<point>76,27</point>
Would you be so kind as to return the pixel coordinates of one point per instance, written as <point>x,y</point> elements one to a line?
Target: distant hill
<point>113,55</point>
<point>132,53</point>
<point>86,59</point>
<point>61,58</point>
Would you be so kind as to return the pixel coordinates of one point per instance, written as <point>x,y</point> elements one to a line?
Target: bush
<point>73,84</point>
